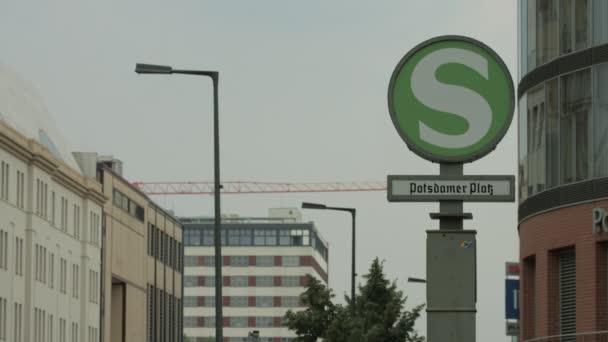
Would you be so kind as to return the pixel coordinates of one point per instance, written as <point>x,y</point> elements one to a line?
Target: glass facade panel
<point>262,322</point>
<point>290,281</point>
<point>552,129</point>
<point>600,118</point>
<point>531,33</point>
<point>523,148</point>
<point>574,125</point>
<point>546,31</point>
<point>536,140</point>
<point>600,22</point>
<point>209,301</point>
<point>239,261</point>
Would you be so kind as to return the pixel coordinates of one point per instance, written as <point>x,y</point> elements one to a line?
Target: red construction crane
<point>239,187</point>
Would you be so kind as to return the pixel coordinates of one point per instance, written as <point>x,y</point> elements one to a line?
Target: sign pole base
<point>451,272</point>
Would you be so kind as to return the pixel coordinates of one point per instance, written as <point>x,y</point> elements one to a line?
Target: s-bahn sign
<point>451,99</point>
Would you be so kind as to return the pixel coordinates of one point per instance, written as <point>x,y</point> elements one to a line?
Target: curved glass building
<point>563,168</point>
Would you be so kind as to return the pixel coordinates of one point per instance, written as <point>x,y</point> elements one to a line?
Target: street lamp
<point>416,280</point>
<point>353,212</point>
<point>214,75</point>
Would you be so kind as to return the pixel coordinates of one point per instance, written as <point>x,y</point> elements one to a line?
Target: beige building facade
<point>142,260</point>
<point>50,227</point>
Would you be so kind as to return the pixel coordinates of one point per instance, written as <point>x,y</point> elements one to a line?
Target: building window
<point>209,281</point>
<point>239,281</point>
<point>291,261</point>
<point>3,318</point>
<point>209,301</point>
<point>264,322</point>
<point>190,301</point>
<point>209,261</point>
<point>239,322</point>
<point>190,281</point>
<point>290,281</point>
<point>20,189</point>
<point>94,229</point>
<point>18,256</point>
<point>75,280</point>
<point>536,140</point>
<point>264,260</point>
<point>150,315</point>
<point>567,292</point>
<point>40,263</point>
<point>191,260</point>
<point>93,286</point>
<point>4,180</point>
<point>123,202</point>
<point>290,302</point>
<point>75,332</point>
<point>62,330</point>
<point>264,281</point>
<point>239,261</point>
<point>64,214</point>
<point>208,237</point>
<point>190,322</point>
<point>192,237</point>
<point>53,215</point>
<point>240,237</point>
<point>574,15</point>
<point>51,270</point>
<point>63,271</point>
<point>3,250</point>
<point>18,322</point>
<point>150,240</point>
<point>574,121</point>
<point>76,221</point>
<point>264,302</point>
<point>239,301</point>
<point>265,237</point>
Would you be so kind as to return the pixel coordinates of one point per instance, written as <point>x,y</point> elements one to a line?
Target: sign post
<point>451,100</point>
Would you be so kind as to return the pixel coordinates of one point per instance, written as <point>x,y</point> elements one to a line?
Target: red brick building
<point>563,169</point>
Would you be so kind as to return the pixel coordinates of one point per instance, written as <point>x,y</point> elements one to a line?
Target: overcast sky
<point>302,98</point>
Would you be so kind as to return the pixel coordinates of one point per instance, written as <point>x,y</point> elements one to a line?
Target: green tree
<point>380,314</point>
<point>312,323</point>
<point>380,311</point>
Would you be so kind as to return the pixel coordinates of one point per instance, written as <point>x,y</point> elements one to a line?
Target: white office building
<point>50,227</point>
<point>265,265</point>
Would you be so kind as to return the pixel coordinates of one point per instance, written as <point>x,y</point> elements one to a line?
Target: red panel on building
<point>277,281</point>
<point>226,260</point>
<point>278,322</point>
<point>226,281</point>
<point>200,301</point>
<point>303,281</point>
<point>201,260</point>
<point>200,321</point>
<point>201,280</point>
<point>251,321</point>
<point>305,260</point>
<point>226,301</point>
<point>251,281</point>
<point>251,301</point>
<point>277,302</point>
<point>252,260</point>
<point>278,260</point>
<point>226,321</point>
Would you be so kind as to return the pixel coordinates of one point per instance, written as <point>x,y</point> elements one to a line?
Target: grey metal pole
<point>218,216</point>
<point>354,274</point>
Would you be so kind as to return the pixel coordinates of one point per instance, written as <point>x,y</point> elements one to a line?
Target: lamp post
<point>214,75</point>
<point>353,212</point>
<point>416,280</point>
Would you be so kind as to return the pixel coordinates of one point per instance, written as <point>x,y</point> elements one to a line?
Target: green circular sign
<point>451,99</point>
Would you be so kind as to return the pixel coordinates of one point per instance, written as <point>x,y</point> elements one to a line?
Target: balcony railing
<point>593,336</point>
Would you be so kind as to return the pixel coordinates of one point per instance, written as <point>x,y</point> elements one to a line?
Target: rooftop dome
<point>22,108</point>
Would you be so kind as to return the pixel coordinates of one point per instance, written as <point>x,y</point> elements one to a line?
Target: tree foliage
<point>379,315</point>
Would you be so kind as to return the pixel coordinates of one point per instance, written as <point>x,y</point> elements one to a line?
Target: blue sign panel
<point>512,299</point>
